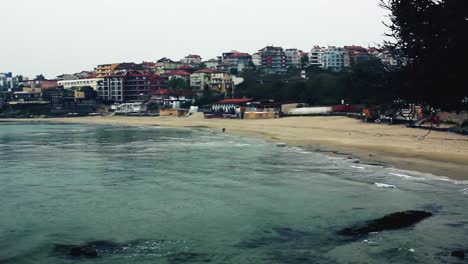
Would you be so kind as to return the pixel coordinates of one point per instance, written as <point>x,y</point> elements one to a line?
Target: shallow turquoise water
<point>184,196</point>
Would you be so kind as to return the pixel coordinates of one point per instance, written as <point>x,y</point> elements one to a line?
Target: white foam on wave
<point>358,167</point>
<point>383,185</point>
<point>405,176</point>
<point>42,134</point>
<point>464,191</point>
<point>241,145</point>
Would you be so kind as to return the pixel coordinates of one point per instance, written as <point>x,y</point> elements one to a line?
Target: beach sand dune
<point>440,153</point>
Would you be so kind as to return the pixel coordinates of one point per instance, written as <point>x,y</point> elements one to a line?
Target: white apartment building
<point>76,84</point>
<point>331,58</point>
<point>111,89</point>
<point>315,56</point>
<point>257,59</point>
<point>293,58</point>
<point>7,81</point>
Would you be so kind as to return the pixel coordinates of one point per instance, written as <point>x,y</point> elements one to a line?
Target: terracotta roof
<point>239,55</point>
<point>179,72</point>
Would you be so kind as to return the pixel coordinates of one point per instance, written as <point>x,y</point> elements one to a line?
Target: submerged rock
<point>87,250</point>
<point>458,254</point>
<point>389,222</point>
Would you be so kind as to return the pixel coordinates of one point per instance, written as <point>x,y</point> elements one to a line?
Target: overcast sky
<point>66,36</point>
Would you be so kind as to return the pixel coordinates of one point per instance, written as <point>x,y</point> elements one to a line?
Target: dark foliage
<point>431,37</point>
<point>364,83</point>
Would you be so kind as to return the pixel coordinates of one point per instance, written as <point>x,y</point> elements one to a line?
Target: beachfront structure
<point>105,69</point>
<point>214,80</point>
<point>131,108</point>
<point>77,84</point>
<point>229,108</point>
<point>293,58</point>
<point>110,88</point>
<point>235,62</point>
<point>273,60</point>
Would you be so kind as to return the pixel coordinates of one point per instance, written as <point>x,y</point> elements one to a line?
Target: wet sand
<point>440,153</point>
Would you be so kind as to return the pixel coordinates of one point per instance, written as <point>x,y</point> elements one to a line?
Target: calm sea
<point>167,195</point>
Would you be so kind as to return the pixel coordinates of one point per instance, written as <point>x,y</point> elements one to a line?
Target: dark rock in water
<point>75,251</point>
<point>389,222</point>
<point>458,254</point>
<point>88,250</point>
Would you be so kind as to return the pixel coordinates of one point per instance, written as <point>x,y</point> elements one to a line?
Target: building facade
<point>136,87</point>
<point>192,60</point>
<point>257,60</point>
<point>8,82</point>
<point>235,61</point>
<point>212,64</point>
<point>106,69</point>
<point>165,65</point>
<point>315,56</point>
<point>273,60</point>
<point>335,59</point>
<point>77,84</point>
<point>293,58</point>
<point>214,80</point>
<point>110,88</point>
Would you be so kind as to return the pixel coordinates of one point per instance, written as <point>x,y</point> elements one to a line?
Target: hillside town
<point>171,84</point>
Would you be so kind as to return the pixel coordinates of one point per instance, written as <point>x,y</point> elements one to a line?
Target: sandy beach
<point>440,153</point>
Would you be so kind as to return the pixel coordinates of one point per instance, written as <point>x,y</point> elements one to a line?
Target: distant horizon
<point>53,38</point>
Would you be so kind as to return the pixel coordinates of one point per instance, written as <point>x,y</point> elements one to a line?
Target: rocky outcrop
<point>458,254</point>
<point>389,222</point>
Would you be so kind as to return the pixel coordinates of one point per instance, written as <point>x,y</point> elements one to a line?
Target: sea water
<point>184,196</point>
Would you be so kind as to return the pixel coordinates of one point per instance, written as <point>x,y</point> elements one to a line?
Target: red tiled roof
<point>239,55</point>
<point>186,66</point>
<point>179,72</point>
<point>235,101</point>
<point>208,71</point>
<point>193,56</point>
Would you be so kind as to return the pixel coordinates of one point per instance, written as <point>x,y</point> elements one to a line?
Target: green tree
<point>90,93</point>
<point>178,84</point>
<point>431,37</point>
<point>304,62</point>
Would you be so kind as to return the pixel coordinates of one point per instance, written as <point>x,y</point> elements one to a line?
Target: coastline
<point>440,153</point>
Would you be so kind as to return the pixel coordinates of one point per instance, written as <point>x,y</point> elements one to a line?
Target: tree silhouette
<point>431,37</point>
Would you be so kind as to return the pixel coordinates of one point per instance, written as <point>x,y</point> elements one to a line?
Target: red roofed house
<point>357,54</point>
<point>235,61</point>
<point>179,74</point>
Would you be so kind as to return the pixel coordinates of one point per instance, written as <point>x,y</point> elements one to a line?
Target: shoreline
<point>440,154</point>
